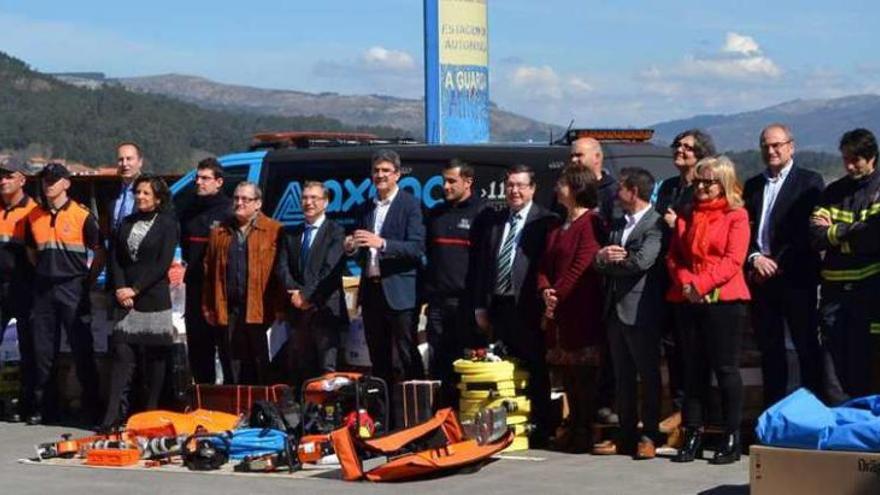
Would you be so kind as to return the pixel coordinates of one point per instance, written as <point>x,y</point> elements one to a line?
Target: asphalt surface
<point>541,472</point>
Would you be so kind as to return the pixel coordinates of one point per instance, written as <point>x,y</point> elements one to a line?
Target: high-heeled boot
<point>692,446</point>
<point>729,451</point>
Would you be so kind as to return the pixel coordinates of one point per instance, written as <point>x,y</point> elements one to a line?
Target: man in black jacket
<point>783,270</point>
<point>208,210</point>
<point>453,229</point>
<point>310,267</point>
<point>507,304</point>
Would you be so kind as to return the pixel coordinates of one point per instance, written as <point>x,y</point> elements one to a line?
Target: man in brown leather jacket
<point>241,293</point>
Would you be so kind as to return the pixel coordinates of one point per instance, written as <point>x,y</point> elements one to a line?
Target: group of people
<point>591,290</point>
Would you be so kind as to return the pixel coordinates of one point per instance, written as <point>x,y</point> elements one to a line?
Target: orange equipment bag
<point>180,423</point>
<point>435,446</point>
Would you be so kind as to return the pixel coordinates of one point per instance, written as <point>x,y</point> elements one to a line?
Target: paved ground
<point>546,473</point>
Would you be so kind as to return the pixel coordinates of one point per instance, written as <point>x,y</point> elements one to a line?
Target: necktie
<point>306,247</point>
<point>503,280</point>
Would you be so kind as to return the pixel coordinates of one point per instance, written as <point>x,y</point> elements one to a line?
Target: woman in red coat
<point>705,261</point>
<point>571,289</point>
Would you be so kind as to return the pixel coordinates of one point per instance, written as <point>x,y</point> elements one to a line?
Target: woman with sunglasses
<point>706,255</point>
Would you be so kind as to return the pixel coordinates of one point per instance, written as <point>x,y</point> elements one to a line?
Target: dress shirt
<point>124,204</point>
<point>523,214</point>
<point>631,221</point>
<point>771,192</point>
<point>314,226</point>
<point>380,213</point>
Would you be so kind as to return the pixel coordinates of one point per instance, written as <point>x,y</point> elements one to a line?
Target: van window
<point>231,177</point>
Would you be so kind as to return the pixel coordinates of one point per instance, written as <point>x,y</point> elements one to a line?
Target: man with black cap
<point>16,273</point>
<point>59,236</point>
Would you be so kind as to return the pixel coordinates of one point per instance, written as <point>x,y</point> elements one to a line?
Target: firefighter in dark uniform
<point>60,235</point>
<point>846,226</point>
<point>451,229</point>
<point>210,208</point>
<point>16,273</point>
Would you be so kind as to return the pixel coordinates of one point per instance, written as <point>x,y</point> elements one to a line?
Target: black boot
<point>692,447</point>
<point>729,451</point>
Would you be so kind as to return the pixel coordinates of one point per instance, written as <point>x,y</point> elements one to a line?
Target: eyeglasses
<point>684,146</point>
<point>705,182</point>
<point>243,199</point>
<point>774,146</point>
<point>517,185</point>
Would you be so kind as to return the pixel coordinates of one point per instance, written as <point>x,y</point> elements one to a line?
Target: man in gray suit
<point>632,309</point>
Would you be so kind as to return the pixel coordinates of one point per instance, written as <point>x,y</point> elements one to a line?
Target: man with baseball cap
<point>15,272</point>
<point>59,236</point>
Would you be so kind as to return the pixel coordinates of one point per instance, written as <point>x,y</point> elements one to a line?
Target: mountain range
<point>817,123</point>
<point>357,110</point>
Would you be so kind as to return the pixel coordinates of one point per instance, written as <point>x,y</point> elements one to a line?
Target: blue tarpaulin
<point>802,421</point>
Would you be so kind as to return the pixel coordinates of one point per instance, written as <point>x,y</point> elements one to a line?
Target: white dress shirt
<point>523,214</point>
<point>631,221</point>
<point>771,192</point>
<point>381,212</point>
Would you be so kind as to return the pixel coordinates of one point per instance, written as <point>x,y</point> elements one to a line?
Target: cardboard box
<point>779,471</point>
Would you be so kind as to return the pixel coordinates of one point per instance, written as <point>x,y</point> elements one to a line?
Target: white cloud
<point>743,68</point>
<point>382,58</point>
<point>544,82</point>
<point>740,44</point>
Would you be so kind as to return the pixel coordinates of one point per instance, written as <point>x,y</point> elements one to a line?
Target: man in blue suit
<point>389,242</point>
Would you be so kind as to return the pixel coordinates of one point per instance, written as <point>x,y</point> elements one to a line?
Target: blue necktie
<point>306,247</point>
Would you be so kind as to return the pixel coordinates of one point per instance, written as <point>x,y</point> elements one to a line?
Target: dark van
<point>346,172</point>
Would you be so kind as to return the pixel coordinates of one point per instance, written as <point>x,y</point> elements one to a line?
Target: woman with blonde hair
<point>705,261</point>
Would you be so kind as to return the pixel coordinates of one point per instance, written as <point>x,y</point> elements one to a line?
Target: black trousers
<point>524,340</point>
<point>150,363</point>
<point>776,305</point>
<point>62,304</point>
<point>636,354</point>
<point>313,347</point>
<point>711,336</point>
<point>391,337</point>
<point>15,302</point>
<point>670,343</point>
<point>202,339</point>
<point>846,316</point>
<point>451,328</point>
<point>244,351</point>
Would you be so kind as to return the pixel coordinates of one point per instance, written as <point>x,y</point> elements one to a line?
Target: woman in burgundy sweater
<point>705,262</point>
<point>571,289</point>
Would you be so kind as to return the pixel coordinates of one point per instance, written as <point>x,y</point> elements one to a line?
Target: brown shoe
<point>670,423</point>
<point>608,447</point>
<point>645,450</point>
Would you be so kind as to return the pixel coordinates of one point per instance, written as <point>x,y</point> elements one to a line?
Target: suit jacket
<point>532,243</point>
<point>404,235</point>
<point>148,275</point>
<point>320,280</point>
<point>789,222</point>
<point>634,289</point>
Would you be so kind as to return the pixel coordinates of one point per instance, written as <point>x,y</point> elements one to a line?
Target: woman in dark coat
<point>143,334</point>
<point>571,289</point>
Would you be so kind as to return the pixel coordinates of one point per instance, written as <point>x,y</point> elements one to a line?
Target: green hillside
<point>41,115</point>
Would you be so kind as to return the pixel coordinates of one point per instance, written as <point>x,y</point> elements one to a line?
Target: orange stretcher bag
<point>181,423</point>
<point>430,448</point>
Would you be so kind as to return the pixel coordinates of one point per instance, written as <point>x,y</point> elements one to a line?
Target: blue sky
<point>601,63</point>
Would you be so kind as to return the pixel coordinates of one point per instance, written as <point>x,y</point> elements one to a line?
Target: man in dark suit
<point>506,288</point>
<point>633,306</point>
<point>390,242</point>
<point>310,266</point>
<point>783,270</point>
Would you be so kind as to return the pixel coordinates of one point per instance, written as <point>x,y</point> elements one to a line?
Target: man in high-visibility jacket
<point>16,273</point>
<point>846,226</point>
<point>60,235</point>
